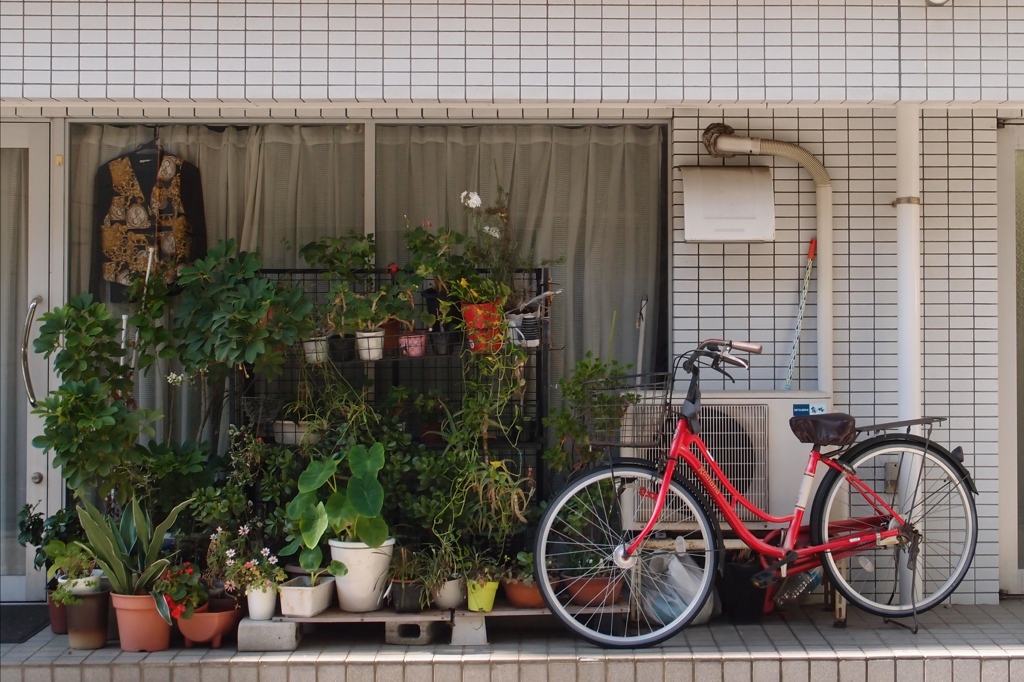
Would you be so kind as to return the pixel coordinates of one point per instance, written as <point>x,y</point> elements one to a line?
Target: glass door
<point>24,277</point>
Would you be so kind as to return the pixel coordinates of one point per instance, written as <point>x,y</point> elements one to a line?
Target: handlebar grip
<point>747,347</point>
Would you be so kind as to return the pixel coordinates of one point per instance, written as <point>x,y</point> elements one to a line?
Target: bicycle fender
<point>954,461</point>
<point>698,495</point>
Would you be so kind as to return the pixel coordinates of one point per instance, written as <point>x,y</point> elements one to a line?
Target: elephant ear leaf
<point>365,463</point>
<point>316,474</point>
<point>366,496</point>
<point>373,531</point>
<point>310,559</point>
<point>313,524</point>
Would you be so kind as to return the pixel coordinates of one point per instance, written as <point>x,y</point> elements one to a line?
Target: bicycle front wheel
<point>930,492</point>
<point>616,602</point>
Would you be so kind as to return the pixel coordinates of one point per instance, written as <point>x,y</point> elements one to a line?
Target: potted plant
<point>519,584</point>
<point>482,581</point>
<point>78,590</point>
<point>361,305</point>
<point>314,347</point>
<point>129,552</point>
<point>37,531</point>
<point>407,572</point>
<point>591,580</point>
<point>88,425</point>
<point>340,491</point>
<point>436,257</point>
<point>257,576</point>
<point>493,247</point>
<point>181,589</point>
<point>482,301</point>
<point>446,576</point>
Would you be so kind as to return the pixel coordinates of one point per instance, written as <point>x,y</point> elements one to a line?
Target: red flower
<point>189,571</point>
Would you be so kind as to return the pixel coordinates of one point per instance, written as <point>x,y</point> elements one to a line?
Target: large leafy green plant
<point>129,550</point>
<point>348,479</point>
<point>231,316</point>
<point>88,421</point>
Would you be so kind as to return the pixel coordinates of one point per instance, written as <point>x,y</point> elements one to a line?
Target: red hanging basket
<point>483,326</point>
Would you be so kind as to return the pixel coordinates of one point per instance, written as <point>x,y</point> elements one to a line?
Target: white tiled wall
<point>525,59</point>
<point>666,51</point>
<point>751,291</point>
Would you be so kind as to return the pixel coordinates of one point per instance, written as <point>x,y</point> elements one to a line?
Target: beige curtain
<point>269,187</point>
<point>13,403</point>
<point>589,195</point>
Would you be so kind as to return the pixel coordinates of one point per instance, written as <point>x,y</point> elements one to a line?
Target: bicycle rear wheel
<point>608,603</point>
<point>928,489</point>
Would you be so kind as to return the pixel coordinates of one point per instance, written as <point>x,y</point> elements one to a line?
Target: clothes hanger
<point>149,146</point>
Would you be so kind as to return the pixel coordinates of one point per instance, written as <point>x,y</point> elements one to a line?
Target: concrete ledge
<point>268,635</point>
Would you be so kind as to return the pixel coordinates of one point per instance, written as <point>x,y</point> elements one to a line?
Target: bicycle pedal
<point>763,579</point>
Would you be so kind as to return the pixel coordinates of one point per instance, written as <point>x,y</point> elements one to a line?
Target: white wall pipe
<point>908,260</point>
<point>720,141</point>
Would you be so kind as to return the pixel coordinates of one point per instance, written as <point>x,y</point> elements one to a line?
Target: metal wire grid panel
<point>415,390</point>
<point>629,411</point>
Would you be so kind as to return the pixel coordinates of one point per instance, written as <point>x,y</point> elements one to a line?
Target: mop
<point>800,313</point>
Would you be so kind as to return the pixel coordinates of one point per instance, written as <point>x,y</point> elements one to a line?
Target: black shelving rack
<point>438,373</point>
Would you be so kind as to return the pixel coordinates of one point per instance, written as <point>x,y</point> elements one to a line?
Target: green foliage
<point>88,423</point>
<point>34,530</point>
<point>68,561</point>
<point>521,570</point>
<point>128,550</point>
<point>572,448</point>
<point>435,256</point>
<point>231,317</point>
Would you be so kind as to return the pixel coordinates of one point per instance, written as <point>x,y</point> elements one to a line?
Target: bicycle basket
<point>627,411</point>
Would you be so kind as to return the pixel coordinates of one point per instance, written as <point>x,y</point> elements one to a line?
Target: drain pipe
<point>909,341</point>
<point>720,141</point>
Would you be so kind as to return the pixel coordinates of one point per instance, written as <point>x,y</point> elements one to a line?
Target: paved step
<point>971,643</point>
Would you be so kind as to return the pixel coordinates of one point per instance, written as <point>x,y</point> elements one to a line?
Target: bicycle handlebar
<point>742,346</point>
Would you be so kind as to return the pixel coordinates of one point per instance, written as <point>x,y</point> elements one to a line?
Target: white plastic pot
<point>362,588</point>
<point>300,599</point>
<point>370,344</point>
<point>262,603</point>
<point>315,350</point>
<point>450,595</point>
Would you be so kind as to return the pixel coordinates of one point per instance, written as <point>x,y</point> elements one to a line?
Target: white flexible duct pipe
<point>720,141</point>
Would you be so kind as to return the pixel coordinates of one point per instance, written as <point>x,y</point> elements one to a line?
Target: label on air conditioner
<point>809,408</point>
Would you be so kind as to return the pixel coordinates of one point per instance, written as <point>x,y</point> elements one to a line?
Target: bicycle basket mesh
<point>628,411</point>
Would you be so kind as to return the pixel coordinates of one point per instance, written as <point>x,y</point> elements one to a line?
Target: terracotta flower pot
<point>139,623</point>
<point>210,626</point>
<point>87,621</point>
<point>594,591</point>
<point>521,595</point>
<point>58,615</point>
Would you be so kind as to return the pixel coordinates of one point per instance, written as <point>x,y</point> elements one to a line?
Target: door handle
<point>26,374</point>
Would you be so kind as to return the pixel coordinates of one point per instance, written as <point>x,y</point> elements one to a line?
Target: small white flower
<point>219,530</point>
<point>493,231</point>
<point>243,531</point>
<point>230,553</point>
<point>213,537</point>
<point>230,562</point>
<point>175,379</point>
<point>471,199</point>
<point>273,560</point>
<point>265,551</point>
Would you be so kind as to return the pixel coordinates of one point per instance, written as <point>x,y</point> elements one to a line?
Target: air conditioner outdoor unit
<point>748,434</point>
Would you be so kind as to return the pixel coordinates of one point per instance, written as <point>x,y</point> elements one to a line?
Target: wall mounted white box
<point>735,204</point>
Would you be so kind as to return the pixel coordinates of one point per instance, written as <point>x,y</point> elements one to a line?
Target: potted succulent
<point>519,584</point>
<point>78,590</point>
<point>129,552</point>
<point>482,581</point>
<point>340,491</point>
<point>37,531</point>
<point>258,576</point>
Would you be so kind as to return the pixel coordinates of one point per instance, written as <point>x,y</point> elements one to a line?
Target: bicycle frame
<point>689,449</point>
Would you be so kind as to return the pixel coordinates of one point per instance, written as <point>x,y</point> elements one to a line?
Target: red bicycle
<point>627,554</point>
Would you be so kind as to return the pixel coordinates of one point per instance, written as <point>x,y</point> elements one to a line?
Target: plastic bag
<point>670,584</point>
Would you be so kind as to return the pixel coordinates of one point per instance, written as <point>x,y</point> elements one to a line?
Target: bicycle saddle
<point>834,428</point>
